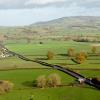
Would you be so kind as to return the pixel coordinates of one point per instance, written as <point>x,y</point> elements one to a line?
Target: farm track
<point>65,70</point>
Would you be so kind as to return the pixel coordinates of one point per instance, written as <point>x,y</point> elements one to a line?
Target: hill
<point>77,21</point>
<point>79,25</point>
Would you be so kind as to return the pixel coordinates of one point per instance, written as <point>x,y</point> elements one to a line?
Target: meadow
<point>39,51</point>
<point>23,80</point>
<point>23,73</point>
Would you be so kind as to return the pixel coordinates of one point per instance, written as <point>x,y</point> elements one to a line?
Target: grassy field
<point>23,86</point>
<point>39,51</point>
<point>23,78</point>
<point>34,41</point>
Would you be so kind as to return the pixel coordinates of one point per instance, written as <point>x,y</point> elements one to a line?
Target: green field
<point>23,86</point>
<point>23,78</point>
<point>39,51</point>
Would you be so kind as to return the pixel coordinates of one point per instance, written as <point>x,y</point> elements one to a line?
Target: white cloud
<point>13,17</point>
<point>42,2</point>
<point>4,2</point>
<point>20,4</point>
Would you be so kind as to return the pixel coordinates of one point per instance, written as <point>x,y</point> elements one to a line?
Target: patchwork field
<point>39,51</point>
<point>23,73</point>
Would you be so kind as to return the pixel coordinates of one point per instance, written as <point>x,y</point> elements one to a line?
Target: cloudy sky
<point>25,12</point>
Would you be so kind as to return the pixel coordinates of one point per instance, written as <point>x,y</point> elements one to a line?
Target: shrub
<point>50,55</point>
<point>53,80</point>
<point>41,81</point>
<point>5,86</point>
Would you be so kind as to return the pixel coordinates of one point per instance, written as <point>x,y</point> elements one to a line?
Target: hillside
<point>78,21</point>
<point>83,23</point>
<point>79,25</point>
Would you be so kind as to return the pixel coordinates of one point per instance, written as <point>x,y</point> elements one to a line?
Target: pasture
<point>24,88</point>
<point>23,73</point>
<point>39,51</point>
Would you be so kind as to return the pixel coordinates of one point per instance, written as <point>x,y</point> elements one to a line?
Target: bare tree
<point>5,86</point>
<point>41,81</point>
<point>54,80</point>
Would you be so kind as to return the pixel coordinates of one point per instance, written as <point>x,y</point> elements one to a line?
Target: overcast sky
<point>25,12</point>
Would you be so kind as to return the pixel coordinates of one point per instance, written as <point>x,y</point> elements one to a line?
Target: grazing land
<point>19,72</point>
<point>23,89</point>
<point>39,51</point>
<point>56,36</point>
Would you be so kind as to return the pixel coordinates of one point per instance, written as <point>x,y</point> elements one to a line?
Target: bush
<point>53,80</point>
<point>50,55</point>
<point>41,81</point>
<point>5,86</point>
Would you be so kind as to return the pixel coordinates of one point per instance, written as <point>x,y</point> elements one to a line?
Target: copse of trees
<point>80,57</point>
<point>50,55</point>
<point>53,80</point>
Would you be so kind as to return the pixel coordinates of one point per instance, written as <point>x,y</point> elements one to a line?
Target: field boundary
<point>95,69</point>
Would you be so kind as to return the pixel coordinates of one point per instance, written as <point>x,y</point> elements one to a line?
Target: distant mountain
<point>78,21</point>
<point>83,24</point>
<point>65,25</point>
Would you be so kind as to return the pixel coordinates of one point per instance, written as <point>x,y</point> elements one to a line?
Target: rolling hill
<point>78,25</point>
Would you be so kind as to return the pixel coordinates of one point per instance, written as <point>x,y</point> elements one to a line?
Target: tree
<point>70,52</point>
<point>84,54</point>
<point>50,55</point>
<point>93,49</point>
<point>80,57</point>
<point>54,80</point>
<point>41,81</point>
<point>5,86</point>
